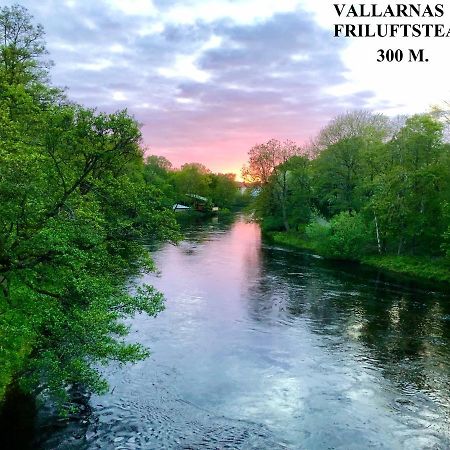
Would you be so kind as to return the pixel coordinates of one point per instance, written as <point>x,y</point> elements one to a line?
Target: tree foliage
<point>195,179</point>
<point>359,124</point>
<point>76,207</point>
<point>371,189</point>
<point>22,47</point>
<point>271,165</point>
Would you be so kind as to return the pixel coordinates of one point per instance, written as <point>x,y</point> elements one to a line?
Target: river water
<point>262,347</point>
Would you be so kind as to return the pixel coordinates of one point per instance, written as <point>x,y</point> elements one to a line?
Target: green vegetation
<point>292,239</point>
<point>195,179</point>
<point>75,207</point>
<point>368,190</point>
<point>415,266</point>
<point>77,202</point>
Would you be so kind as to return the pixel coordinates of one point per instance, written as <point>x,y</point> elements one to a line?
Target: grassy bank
<point>412,266</point>
<point>292,240</point>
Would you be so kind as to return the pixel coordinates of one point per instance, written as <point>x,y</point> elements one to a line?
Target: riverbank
<point>17,420</point>
<point>410,266</point>
<point>17,338</point>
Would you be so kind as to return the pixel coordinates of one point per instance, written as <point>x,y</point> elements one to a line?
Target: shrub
<point>318,233</point>
<point>272,223</point>
<point>350,237</point>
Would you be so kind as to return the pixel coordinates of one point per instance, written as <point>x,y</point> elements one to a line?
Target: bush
<point>346,236</point>
<point>350,236</point>
<point>272,223</point>
<point>318,233</point>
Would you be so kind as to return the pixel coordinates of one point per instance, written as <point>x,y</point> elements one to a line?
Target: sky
<point>208,79</point>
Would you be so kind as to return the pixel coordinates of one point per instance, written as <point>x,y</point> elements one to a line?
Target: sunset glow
<point>224,224</point>
<point>209,79</point>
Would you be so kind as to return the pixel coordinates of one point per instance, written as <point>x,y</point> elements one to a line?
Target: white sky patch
<point>184,100</point>
<point>134,7</point>
<point>185,67</point>
<point>409,87</point>
<point>96,66</point>
<point>242,12</point>
<point>280,74</point>
<point>119,96</point>
<point>62,45</point>
<point>150,29</point>
<point>117,48</point>
<point>149,106</point>
<point>89,23</point>
<point>301,57</point>
<point>213,42</point>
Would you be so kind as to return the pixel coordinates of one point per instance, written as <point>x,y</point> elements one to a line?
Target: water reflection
<point>398,326</point>
<point>263,347</point>
<point>403,334</point>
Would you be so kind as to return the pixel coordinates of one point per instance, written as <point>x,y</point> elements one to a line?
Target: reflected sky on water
<point>266,347</point>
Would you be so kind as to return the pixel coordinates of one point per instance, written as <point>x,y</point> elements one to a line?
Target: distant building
<point>249,188</point>
<point>199,203</point>
<point>180,207</point>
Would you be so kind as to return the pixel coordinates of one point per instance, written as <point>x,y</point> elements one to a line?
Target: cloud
<point>207,79</point>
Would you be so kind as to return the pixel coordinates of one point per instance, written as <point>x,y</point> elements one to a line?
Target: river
<point>262,347</point>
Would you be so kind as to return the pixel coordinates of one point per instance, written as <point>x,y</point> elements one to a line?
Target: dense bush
<point>350,237</point>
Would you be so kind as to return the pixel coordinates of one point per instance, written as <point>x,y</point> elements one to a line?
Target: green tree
<point>192,178</point>
<point>224,189</point>
<point>410,193</point>
<point>337,175</point>
<point>300,194</point>
<point>22,47</point>
<point>269,167</point>
<point>346,236</point>
<point>359,124</point>
<point>158,173</point>
<point>75,209</point>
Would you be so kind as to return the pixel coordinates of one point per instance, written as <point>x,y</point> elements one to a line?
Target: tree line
<point>369,186</point>
<point>220,189</point>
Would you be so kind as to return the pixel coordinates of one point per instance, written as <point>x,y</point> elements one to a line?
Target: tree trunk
<point>399,246</point>
<point>284,213</point>
<point>4,286</point>
<point>378,233</point>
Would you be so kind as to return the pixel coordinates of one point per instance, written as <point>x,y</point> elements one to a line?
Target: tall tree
<point>224,189</point>
<point>264,158</point>
<point>410,193</point>
<point>158,172</point>
<point>22,46</point>
<point>359,124</point>
<point>338,170</point>
<point>192,178</point>
<point>75,208</point>
<point>268,166</point>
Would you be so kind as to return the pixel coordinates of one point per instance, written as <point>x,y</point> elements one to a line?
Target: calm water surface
<point>262,347</point>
